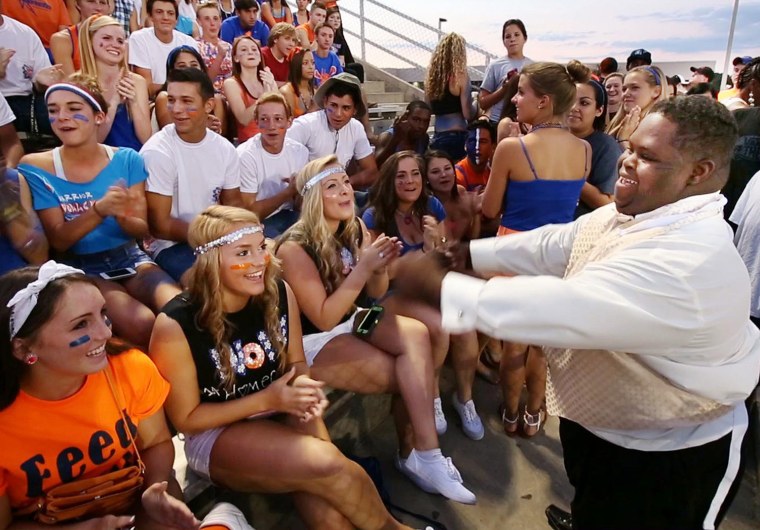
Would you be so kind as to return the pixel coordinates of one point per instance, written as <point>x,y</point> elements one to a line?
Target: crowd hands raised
<point>221,204</point>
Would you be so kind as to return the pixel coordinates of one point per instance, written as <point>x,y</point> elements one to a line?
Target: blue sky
<point>673,30</point>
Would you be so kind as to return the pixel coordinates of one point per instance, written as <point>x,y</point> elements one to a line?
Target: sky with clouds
<point>588,30</point>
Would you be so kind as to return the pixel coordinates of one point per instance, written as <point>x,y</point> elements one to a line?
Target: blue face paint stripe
<point>78,342</point>
<point>81,117</point>
<point>477,146</point>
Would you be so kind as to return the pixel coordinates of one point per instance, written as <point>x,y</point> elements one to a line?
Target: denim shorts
<point>176,260</point>
<point>127,255</point>
<point>450,142</point>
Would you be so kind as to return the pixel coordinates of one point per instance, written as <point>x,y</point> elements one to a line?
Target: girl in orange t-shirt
<point>59,419</point>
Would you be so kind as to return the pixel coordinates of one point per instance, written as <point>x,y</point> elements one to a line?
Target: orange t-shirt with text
<point>45,17</point>
<point>46,443</point>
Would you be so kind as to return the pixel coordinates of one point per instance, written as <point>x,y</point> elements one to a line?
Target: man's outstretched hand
<point>419,275</point>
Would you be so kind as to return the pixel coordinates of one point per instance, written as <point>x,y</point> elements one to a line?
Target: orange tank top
<point>252,129</point>
<point>309,31</point>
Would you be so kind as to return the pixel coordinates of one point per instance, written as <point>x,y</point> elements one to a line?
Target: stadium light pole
<point>440,25</point>
<point>727,63</point>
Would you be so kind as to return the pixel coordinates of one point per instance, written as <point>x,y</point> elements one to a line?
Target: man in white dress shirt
<point>643,309</point>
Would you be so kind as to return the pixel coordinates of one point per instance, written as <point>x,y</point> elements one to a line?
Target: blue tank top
<point>534,203</point>
<point>122,133</point>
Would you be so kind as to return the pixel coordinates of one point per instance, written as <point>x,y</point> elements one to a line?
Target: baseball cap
<point>639,55</point>
<point>742,60</point>
<point>704,70</point>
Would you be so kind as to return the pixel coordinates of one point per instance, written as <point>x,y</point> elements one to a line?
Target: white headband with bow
<point>23,302</point>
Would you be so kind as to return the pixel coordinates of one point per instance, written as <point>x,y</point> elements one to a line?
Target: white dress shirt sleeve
<point>627,302</point>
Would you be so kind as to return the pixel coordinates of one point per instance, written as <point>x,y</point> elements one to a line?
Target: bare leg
<point>464,358</point>
<point>263,455</point>
<point>396,357</point>
<point>535,379</point>
<point>512,373</point>
<point>152,286</point>
<point>431,317</point>
<point>131,320</point>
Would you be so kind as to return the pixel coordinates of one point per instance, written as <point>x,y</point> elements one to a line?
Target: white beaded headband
<point>76,90</point>
<point>319,177</point>
<point>228,238</point>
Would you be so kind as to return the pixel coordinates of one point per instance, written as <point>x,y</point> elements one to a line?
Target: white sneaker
<point>228,515</point>
<point>440,420</point>
<point>400,464</point>
<point>440,476</point>
<point>471,424</point>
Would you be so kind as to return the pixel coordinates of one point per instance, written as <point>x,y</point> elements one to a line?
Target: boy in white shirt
<point>150,47</point>
<point>22,59</point>
<point>268,163</point>
<point>334,130</point>
<point>189,168</point>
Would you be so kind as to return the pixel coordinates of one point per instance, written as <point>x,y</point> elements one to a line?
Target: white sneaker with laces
<point>440,476</point>
<point>471,424</point>
<point>400,464</point>
<point>228,515</point>
<point>440,420</point>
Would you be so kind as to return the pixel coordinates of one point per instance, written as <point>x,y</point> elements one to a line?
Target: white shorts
<point>198,450</point>
<point>314,342</point>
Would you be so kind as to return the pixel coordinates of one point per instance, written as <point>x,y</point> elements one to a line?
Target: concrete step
<point>385,97</point>
<point>374,86</point>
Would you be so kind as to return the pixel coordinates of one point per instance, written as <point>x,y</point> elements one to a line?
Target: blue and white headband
<point>74,90</point>
<point>228,238</point>
<point>24,301</point>
<point>319,177</point>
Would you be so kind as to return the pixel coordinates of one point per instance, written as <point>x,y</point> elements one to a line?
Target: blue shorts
<point>127,255</point>
<point>176,260</point>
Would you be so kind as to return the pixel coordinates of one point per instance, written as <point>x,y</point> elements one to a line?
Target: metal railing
<point>395,38</point>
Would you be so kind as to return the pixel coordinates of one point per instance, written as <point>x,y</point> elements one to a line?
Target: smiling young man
<point>474,170</point>
<point>268,164</point>
<point>334,130</point>
<point>643,308</point>
<point>150,47</point>
<point>276,54</point>
<point>189,168</point>
<point>245,22</point>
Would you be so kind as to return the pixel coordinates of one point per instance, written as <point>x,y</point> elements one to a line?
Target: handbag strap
<point>121,412</point>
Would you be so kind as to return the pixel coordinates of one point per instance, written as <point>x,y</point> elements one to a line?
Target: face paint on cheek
<point>51,119</point>
<point>192,111</point>
<point>241,266</point>
<point>78,342</point>
<point>81,117</point>
<point>267,258</point>
<point>477,146</point>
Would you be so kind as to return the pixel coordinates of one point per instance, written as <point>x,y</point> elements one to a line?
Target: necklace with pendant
<point>407,217</point>
<point>546,125</point>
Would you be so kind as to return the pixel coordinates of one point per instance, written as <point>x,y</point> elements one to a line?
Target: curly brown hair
<point>449,59</point>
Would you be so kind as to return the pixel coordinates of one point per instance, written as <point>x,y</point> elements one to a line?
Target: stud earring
<point>30,359</point>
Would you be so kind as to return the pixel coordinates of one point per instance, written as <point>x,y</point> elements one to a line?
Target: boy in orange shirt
<point>45,17</point>
<point>474,170</point>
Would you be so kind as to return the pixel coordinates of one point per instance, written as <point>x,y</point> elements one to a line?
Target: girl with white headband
<point>59,419</point>
<point>91,201</point>
<point>335,270</point>
<point>240,388</point>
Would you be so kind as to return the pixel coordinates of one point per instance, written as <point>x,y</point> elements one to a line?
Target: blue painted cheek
<point>52,120</point>
<point>78,342</point>
<point>81,117</point>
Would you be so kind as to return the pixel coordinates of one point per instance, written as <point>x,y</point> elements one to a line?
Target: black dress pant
<point>618,488</point>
